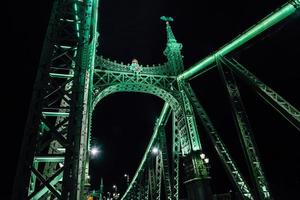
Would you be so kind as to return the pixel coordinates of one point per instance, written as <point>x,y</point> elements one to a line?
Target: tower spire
<point>170,36</point>
<point>173,48</point>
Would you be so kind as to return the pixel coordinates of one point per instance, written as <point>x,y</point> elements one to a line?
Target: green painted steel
<point>154,169</point>
<point>245,133</point>
<point>230,166</point>
<point>64,100</point>
<point>272,19</point>
<point>173,49</point>
<point>106,64</point>
<point>32,183</point>
<point>44,189</point>
<point>190,120</point>
<point>185,142</point>
<point>158,174</point>
<point>108,80</point>
<point>160,122</point>
<point>94,45</point>
<point>288,111</point>
<point>50,126</point>
<point>175,157</point>
<point>78,125</point>
<point>166,164</point>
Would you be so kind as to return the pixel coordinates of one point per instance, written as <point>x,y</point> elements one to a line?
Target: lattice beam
<point>245,133</point>
<point>269,95</point>
<point>222,151</point>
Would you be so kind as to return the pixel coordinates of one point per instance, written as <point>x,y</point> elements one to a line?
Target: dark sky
<point>123,122</point>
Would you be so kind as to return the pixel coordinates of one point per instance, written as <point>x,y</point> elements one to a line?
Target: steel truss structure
<point>72,80</point>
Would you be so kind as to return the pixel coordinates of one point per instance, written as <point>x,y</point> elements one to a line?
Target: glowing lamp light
<point>206,160</point>
<point>155,150</point>
<point>202,155</point>
<point>94,151</point>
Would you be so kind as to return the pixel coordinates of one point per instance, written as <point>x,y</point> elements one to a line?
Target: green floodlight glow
<point>76,18</point>
<point>272,19</point>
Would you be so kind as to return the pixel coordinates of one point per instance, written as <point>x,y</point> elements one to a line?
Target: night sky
<point>123,122</point>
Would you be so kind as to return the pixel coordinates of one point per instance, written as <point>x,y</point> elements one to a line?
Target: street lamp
<point>94,151</point>
<point>115,194</point>
<point>155,150</point>
<point>126,176</point>
<point>115,187</point>
<point>202,155</point>
<point>205,159</point>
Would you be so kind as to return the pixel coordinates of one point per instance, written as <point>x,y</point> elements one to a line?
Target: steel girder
<point>158,173</point>
<point>175,157</point>
<point>104,78</point>
<point>275,17</point>
<point>106,64</point>
<point>245,133</point>
<point>269,95</point>
<point>49,130</point>
<point>221,149</point>
<point>165,164</point>
<point>190,119</point>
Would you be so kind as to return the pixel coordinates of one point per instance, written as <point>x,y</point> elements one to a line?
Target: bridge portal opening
<point>122,125</point>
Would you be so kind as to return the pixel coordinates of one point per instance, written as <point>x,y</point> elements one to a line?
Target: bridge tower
<point>161,80</point>
<point>55,146</point>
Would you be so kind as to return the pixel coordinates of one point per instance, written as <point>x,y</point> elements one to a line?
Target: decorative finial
<point>167,19</point>
<point>170,35</point>
<point>135,65</point>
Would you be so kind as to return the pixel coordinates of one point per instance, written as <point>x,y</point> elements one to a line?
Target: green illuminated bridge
<point>72,80</point>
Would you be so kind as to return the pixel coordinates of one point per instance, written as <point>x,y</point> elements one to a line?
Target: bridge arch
<point>172,98</point>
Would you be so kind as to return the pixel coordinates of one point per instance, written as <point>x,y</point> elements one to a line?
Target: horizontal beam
<point>55,114</point>
<point>57,75</point>
<point>50,158</point>
<point>272,19</point>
